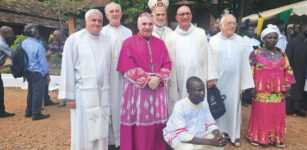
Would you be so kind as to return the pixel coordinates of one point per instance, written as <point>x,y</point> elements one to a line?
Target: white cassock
<point>282,42</point>
<point>190,56</point>
<point>188,121</point>
<point>250,43</point>
<point>116,37</point>
<point>85,78</point>
<point>161,32</point>
<point>234,75</point>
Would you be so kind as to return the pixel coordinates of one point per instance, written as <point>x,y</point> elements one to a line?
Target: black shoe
<point>50,103</point>
<point>27,115</point>
<point>62,104</point>
<point>40,117</point>
<point>6,114</point>
<point>299,113</point>
<point>245,104</point>
<point>289,112</point>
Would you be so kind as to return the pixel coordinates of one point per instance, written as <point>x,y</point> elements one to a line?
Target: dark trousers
<point>36,90</point>
<point>247,96</point>
<point>2,108</point>
<point>293,104</point>
<point>46,95</point>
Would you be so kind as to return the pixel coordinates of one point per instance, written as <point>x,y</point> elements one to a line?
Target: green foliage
<point>132,9</point>
<point>64,7</point>
<point>67,6</point>
<point>80,23</point>
<point>20,1</point>
<point>54,59</point>
<point>54,62</point>
<point>18,39</point>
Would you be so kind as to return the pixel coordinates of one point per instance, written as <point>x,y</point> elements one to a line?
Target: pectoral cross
<point>152,66</point>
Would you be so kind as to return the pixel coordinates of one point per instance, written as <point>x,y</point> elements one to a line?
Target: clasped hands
<point>219,139</point>
<point>153,82</point>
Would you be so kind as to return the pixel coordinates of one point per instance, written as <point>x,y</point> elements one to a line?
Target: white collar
<point>193,106</point>
<point>114,26</point>
<point>182,32</point>
<point>159,30</point>
<point>223,37</point>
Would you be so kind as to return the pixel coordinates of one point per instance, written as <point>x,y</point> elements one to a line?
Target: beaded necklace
<point>152,65</point>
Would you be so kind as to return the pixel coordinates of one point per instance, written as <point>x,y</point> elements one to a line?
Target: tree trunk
<point>234,8</point>
<point>60,16</point>
<point>71,24</point>
<point>219,7</point>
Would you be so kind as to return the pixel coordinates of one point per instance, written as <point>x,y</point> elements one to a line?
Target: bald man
<point>6,38</point>
<point>189,52</point>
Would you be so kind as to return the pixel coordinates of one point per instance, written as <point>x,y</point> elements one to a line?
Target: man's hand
<point>48,53</point>
<point>216,132</point>
<point>71,104</point>
<point>242,91</point>
<point>210,83</point>
<point>153,82</point>
<point>218,141</point>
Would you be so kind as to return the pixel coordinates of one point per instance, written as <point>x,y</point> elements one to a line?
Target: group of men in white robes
<point>93,88</point>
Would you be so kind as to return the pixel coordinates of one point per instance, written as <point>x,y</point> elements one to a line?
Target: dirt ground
<point>18,132</point>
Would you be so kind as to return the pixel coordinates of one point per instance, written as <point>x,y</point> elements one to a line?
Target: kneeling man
<point>191,126</point>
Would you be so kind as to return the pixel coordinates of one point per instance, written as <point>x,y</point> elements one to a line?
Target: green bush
<point>18,39</point>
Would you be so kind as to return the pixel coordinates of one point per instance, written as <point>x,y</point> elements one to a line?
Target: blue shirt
<point>35,51</point>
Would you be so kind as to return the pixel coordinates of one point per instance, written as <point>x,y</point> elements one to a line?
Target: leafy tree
<point>65,7</point>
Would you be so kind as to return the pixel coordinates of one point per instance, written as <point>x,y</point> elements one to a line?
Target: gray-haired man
<point>116,34</point>
<point>85,84</point>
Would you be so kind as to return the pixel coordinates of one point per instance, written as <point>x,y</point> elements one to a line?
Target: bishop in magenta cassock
<point>146,64</point>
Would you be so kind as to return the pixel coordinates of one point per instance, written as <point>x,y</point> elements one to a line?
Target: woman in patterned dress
<point>273,77</point>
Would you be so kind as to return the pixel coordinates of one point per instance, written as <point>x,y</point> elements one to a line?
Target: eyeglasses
<point>183,14</point>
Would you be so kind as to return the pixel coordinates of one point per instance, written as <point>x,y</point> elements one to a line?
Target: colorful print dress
<point>272,74</point>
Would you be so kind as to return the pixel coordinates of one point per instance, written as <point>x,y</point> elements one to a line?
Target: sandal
<point>255,144</point>
<point>280,145</point>
<point>237,143</point>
